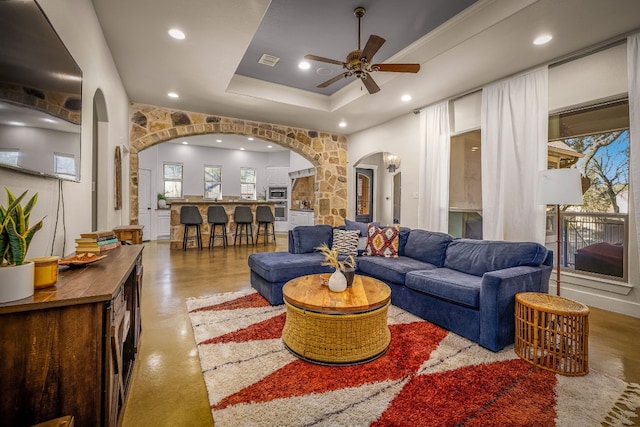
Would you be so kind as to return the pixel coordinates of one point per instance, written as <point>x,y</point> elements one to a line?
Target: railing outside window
<point>594,243</point>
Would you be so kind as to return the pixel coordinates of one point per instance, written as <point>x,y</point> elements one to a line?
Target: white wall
<point>79,29</point>
<point>401,137</point>
<point>297,162</point>
<point>194,158</point>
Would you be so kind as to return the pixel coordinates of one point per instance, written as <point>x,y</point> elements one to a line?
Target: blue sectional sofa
<point>466,286</point>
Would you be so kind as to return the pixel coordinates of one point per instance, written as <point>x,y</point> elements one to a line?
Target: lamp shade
<point>559,187</point>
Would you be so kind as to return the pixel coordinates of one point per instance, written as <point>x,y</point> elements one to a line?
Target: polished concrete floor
<point>167,388</point>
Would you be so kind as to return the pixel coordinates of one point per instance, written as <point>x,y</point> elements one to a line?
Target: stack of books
<point>97,242</point>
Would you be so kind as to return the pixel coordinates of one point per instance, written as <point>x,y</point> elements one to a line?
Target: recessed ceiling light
<point>269,146</point>
<point>218,140</point>
<point>324,71</point>
<point>49,120</point>
<point>176,34</point>
<point>543,39</point>
<point>185,143</point>
<point>250,139</point>
<point>406,98</point>
<point>241,148</point>
<point>304,65</point>
<point>342,124</point>
<point>172,95</point>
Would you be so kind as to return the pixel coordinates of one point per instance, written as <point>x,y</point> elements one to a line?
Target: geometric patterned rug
<point>427,377</point>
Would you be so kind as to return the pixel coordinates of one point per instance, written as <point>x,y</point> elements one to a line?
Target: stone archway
<point>151,125</point>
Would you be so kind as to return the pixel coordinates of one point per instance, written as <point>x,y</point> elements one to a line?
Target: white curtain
<point>433,204</point>
<point>515,120</point>
<point>633,71</point>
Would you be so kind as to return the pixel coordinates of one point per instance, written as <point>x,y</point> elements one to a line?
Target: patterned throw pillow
<point>382,241</point>
<point>345,241</point>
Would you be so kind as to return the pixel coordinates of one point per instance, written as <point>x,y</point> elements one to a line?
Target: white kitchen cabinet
<point>164,224</point>
<point>277,176</point>
<point>297,218</point>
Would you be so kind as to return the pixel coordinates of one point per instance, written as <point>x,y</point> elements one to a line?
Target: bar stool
<point>190,216</point>
<point>216,215</point>
<point>243,217</point>
<point>264,218</point>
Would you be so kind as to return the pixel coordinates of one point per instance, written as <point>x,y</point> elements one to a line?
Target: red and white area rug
<point>428,377</point>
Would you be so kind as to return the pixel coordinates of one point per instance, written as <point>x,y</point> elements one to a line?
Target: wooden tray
<point>81,259</point>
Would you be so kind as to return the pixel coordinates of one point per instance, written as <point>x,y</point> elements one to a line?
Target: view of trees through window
<point>247,183</point>
<point>212,182</point>
<point>595,141</point>
<point>606,165</point>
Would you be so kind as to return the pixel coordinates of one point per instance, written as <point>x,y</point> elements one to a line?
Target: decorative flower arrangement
<point>332,260</point>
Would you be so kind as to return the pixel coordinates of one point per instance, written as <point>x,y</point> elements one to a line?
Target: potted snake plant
<point>16,274</point>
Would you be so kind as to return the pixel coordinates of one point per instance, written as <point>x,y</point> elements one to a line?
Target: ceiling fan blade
<point>369,83</point>
<point>373,45</point>
<point>397,68</point>
<point>333,80</point>
<point>322,59</point>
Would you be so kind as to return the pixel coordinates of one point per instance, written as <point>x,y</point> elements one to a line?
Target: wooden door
<point>364,195</point>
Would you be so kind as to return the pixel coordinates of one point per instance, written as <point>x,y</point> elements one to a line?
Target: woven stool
<point>553,333</point>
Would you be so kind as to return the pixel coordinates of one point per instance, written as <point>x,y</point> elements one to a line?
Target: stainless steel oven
<point>280,211</point>
<point>277,193</point>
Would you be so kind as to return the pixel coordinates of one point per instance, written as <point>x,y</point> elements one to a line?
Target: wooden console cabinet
<point>70,349</point>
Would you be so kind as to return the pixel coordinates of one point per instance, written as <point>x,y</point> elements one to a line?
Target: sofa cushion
<point>382,241</point>
<point>345,241</point>
<point>306,238</point>
<point>391,270</point>
<point>479,256</point>
<point>427,246</point>
<point>284,266</point>
<point>447,284</point>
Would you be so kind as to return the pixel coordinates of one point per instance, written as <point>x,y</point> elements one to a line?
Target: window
<point>594,140</point>
<point>247,183</point>
<point>172,176</point>
<point>64,165</point>
<point>465,186</point>
<point>9,157</point>
<point>212,182</point>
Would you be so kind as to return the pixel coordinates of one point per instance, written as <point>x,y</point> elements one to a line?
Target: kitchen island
<point>177,229</point>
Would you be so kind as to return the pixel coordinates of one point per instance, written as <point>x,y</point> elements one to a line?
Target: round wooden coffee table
<point>336,327</point>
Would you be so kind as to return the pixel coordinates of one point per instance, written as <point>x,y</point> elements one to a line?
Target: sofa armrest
<point>497,301</point>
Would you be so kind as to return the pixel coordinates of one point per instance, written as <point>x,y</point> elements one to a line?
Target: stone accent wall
<point>151,125</point>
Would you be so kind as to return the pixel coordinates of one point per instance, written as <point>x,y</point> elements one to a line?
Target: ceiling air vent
<point>269,60</point>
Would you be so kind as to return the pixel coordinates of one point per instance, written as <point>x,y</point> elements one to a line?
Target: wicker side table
<point>553,333</point>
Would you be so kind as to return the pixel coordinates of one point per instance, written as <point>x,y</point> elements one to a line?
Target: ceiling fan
<point>359,61</point>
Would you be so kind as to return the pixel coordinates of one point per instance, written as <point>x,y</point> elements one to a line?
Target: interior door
<point>144,202</point>
<point>364,195</point>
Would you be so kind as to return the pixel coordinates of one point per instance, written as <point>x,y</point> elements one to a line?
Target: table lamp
<point>559,187</point>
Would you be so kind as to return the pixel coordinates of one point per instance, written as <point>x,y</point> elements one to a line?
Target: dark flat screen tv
<point>40,95</point>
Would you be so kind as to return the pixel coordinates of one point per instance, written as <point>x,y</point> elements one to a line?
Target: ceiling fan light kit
<point>358,61</point>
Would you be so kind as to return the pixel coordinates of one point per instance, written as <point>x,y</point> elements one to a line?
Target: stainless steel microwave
<point>277,193</point>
